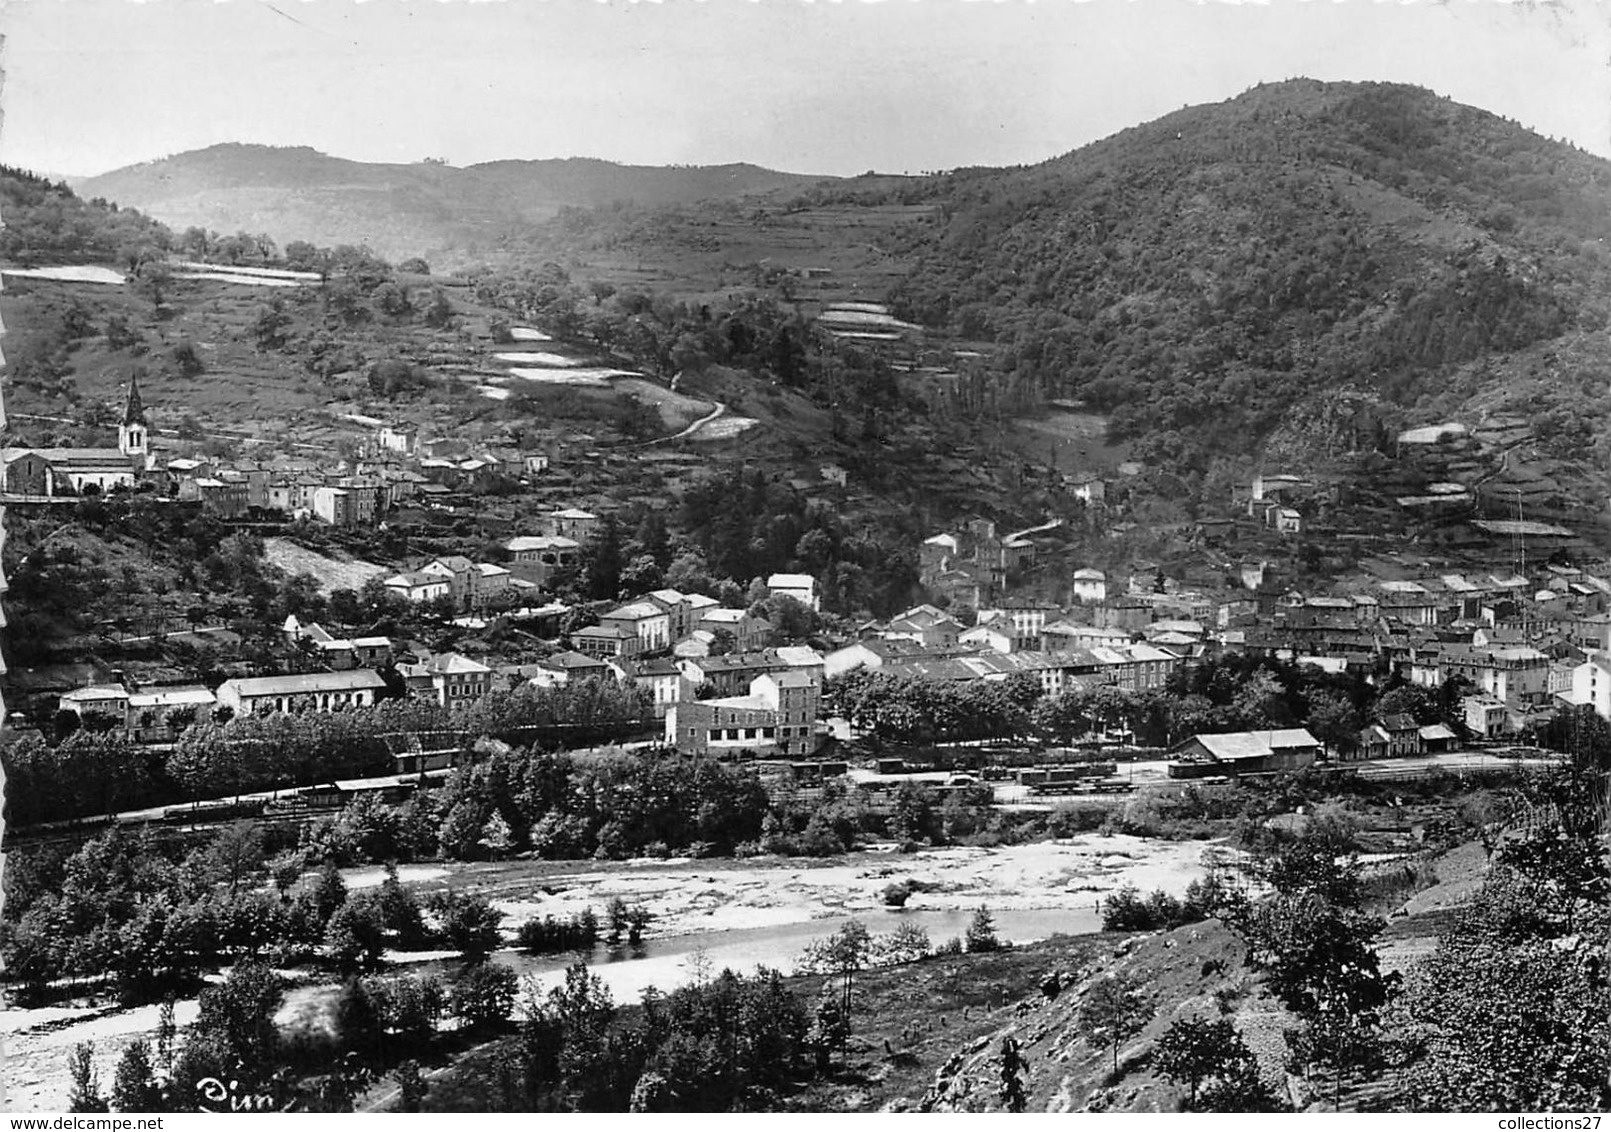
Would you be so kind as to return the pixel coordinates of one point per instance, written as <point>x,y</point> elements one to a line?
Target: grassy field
<point>1068,441</point>
<point>333,573</point>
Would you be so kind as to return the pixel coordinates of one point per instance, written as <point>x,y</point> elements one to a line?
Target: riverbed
<point>708,914</point>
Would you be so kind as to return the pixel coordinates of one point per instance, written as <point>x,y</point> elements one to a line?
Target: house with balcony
<point>604,641</point>
<point>647,622</point>
<point>571,523</point>
<point>1517,675</point>
<point>311,691</point>
<point>661,676</point>
<point>539,558</point>
<point>158,715</point>
<point>449,678</point>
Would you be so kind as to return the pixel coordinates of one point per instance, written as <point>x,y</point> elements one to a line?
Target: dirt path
<point>714,414</point>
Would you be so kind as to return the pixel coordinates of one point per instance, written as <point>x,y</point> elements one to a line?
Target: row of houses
<point>156,714</point>
<point>667,620</point>
<point>1133,667</point>
<point>1281,750</point>
<point>469,586</point>
<point>344,494</point>
<point>767,703</point>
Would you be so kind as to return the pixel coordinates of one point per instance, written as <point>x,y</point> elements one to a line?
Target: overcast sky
<point>898,85</point>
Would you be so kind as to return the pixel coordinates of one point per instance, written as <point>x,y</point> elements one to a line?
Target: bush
<point>1076,819</point>
<point>1127,911</point>
<point>896,893</point>
<point>409,1007</point>
<point>469,923</point>
<point>356,935</point>
<point>906,944</point>
<point>981,934</point>
<point>549,936</point>
<point>1196,1052</point>
<point>359,1024</point>
<point>484,994</point>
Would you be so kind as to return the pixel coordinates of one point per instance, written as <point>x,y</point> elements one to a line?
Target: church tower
<point>132,435</point>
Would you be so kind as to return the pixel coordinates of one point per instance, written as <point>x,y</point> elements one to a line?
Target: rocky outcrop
<point>1199,970</point>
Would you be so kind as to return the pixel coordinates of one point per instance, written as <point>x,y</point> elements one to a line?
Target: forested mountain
<point>1225,276</point>
<point>1203,276</point>
<point>401,210</point>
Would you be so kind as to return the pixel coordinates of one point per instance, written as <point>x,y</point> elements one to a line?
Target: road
<point>157,813</point>
<point>1147,774</point>
<point>714,414</point>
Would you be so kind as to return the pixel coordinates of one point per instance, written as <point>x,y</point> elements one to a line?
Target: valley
<point>1149,601</point>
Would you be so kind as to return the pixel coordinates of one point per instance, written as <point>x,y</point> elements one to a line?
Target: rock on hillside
<point>1198,970</point>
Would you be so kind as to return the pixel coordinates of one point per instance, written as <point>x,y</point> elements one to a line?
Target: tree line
<point>95,771</point>
<point>1232,693</point>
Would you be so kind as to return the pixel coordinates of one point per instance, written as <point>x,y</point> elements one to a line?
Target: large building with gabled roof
<point>312,691</point>
<point>1245,752</point>
<point>51,472</point>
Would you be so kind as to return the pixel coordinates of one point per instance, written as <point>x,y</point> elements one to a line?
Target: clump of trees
<point>1210,1058</point>
<point>95,771</point>
<point>1128,911</point>
<point>1513,1009</point>
<point>1226,694</point>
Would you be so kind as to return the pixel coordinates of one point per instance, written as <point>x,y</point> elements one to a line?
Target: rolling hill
<point>1286,278</point>
<point>1212,277</point>
<point>424,209</point>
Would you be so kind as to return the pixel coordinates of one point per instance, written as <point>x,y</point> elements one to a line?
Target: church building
<point>69,471</point>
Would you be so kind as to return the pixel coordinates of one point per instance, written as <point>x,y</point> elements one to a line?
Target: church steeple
<point>132,435</point>
<point>133,407</point>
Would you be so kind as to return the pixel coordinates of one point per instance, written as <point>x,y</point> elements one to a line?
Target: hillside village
<point>1293,569</point>
<point>843,556</point>
<point>723,679</point>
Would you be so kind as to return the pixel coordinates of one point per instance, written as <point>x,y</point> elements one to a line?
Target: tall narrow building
<point>133,437</point>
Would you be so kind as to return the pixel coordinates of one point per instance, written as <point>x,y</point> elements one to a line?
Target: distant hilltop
<point>401,210</point>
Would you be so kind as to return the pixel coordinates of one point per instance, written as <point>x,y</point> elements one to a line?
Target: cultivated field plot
<point>333,573</point>
<point>862,315</point>
<point>724,428</point>
<point>676,409</point>
<point>240,280</point>
<point>1068,441</point>
<point>537,358</point>
<point>577,376</point>
<point>280,273</point>
<point>83,273</point>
